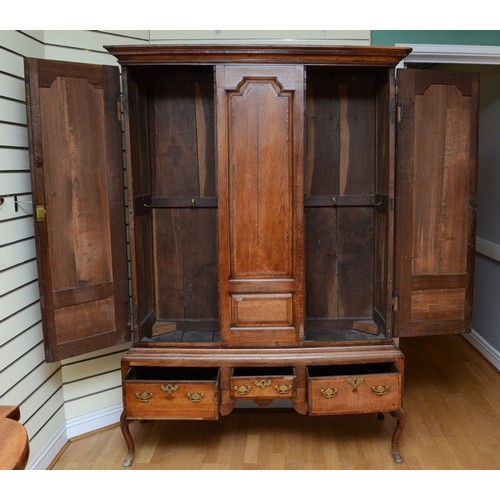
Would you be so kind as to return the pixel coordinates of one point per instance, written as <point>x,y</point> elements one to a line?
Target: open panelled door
<point>436,201</point>
<point>77,177</point>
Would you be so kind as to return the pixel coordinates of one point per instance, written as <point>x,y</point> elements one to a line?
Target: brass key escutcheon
<point>355,381</point>
<point>262,383</point>
<point>169,389</point>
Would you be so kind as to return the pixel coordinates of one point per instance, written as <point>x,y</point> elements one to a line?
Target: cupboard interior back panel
<point>184,142</point>
<point>177,103</point>
<point>186,266</point>
<point>344,232</point>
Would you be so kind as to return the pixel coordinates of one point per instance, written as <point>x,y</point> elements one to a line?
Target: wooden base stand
<point>205,384</point>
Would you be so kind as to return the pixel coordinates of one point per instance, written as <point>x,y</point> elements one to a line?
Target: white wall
<point>25,378</point>
<point>486,316</point>
<point>316,37</point>
<point>61,400</point>
<point>485,335</point>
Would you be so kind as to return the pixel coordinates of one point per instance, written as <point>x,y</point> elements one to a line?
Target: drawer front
<point>354,394</point>
<point>263,387</point>
<point>191,400</point>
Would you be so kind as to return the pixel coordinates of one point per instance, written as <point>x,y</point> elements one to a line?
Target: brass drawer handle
<point>144,397</point>
<point>195,397</point>
<point>262,383</point>
<point>380,390</point>
<point>283,388</point>
<point>355,381</point>
<point>329,392</point>
<point>169,389</point>
<point>242,390</point>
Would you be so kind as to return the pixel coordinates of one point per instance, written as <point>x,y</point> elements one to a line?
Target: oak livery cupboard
<point>290,211</point>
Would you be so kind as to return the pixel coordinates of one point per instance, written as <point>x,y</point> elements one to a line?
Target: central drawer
<point>170,392</point>
<point>362,388</point>
<point>263,383</point>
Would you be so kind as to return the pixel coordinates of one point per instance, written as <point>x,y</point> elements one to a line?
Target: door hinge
<point>119,109</point>
<point>393,111</point>
<point>48,355</point>
<point>395,301</point>
<point>129,315</point>
<point>123,106</point>
<point>396,111</point>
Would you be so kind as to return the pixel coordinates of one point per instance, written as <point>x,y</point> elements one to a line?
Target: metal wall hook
<point>18,202</point>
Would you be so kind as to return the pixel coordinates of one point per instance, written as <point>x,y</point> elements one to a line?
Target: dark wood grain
<point>435,212</point>
<point>282,54</point>
<point>76,165</point>
<point>260,124</point>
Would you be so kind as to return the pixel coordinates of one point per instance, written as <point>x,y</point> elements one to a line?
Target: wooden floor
<point>452,399</point>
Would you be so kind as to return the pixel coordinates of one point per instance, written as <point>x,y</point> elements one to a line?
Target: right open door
<point>436,201</point>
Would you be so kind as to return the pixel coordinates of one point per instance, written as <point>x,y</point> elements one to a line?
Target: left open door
<point>78,198</point>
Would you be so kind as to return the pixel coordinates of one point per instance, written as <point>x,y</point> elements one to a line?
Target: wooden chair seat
<point>14,447</point>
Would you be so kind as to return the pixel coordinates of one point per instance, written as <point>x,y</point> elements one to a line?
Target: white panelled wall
<point>25,378</point>
<point>57,400</point>
<point>62,400</point>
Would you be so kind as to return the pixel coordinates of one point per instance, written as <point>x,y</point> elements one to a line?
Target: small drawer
<point>263,383</point>
<point>354,389</point>
<point>167,392</point>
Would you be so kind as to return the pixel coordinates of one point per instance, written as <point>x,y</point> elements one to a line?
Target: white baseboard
<point>75,427</point>
<point>49,451</point>
<point>485,348</point>
<point>93,421</point>
<point>488,248</point>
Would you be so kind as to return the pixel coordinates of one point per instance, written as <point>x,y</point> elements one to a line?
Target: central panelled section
<point>260,194</point>
<point>259,185</point>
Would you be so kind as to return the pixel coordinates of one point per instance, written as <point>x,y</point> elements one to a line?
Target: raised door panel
<point>260,194</point>
<point>75,150</point>
<point>260,126</point>
<point>436,201</point>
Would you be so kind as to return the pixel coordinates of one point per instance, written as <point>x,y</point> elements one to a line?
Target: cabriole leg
<point>128,439</point>
<point>400,416</point>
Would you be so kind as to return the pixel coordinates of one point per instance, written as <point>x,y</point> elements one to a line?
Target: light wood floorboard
<point>452,399</point>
